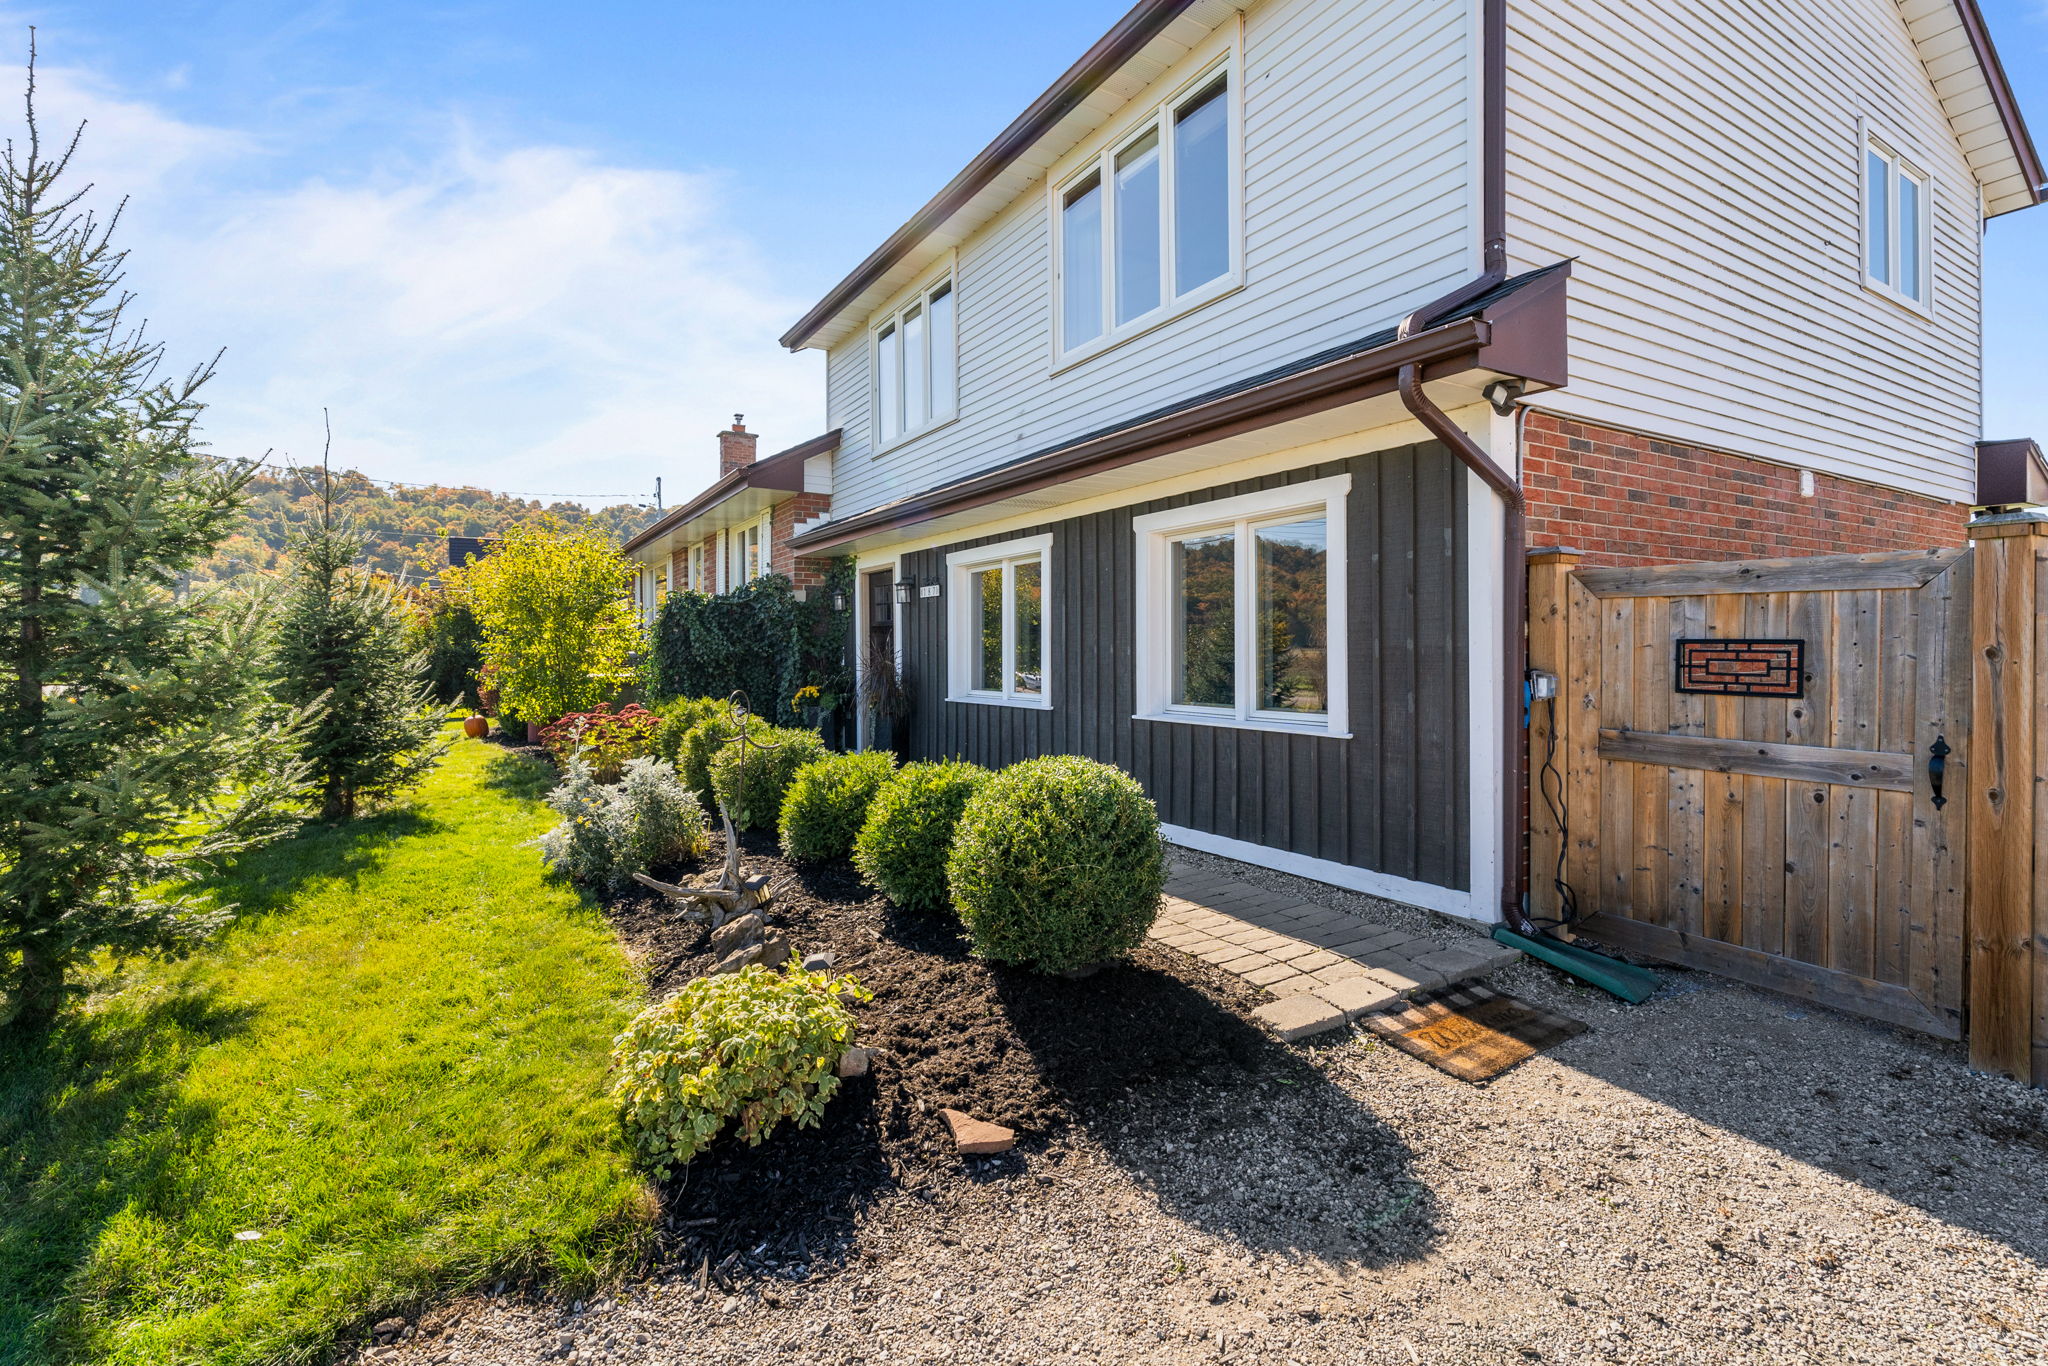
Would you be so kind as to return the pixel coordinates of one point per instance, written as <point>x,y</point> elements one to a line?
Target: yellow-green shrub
<point>751,1048</point>
<point>902,845</point>
<point>753,787</point>
<point>828,800</point>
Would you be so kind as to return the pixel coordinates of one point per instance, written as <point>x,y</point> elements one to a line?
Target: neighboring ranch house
<point>1202,422</point>
<point>739,528</point>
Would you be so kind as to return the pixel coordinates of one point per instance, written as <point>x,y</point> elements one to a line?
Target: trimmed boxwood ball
<point>758,804</point>
<point>1057,864</point>
<point>828,801</point>
<point>679,716</point>
<point>902,846</point>
<point>699,743</point>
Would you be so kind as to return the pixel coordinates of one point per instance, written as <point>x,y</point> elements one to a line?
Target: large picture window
<point>917,365</point>
<point>1241,610</point>
<point>1897,217</point>
<point>1148,226</point>
<point>997,623</point>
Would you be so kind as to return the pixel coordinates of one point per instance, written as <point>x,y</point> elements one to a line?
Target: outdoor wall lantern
<point>904,588</point>
<point>839,602</point>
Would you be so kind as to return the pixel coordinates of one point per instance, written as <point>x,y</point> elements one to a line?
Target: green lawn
<point>391,1066</point>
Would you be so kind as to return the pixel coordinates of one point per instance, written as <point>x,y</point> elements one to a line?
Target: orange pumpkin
<point>476,727</point>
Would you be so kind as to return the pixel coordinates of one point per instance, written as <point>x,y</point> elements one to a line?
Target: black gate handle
<point>1937,764</point>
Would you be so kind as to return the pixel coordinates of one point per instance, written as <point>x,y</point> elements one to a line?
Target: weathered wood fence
<point>1820,775</point>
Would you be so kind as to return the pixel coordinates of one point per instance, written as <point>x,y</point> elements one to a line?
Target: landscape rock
<point>737,959</point>
<point>774,949</point>
<point>736,933</point>
<point>977,1137</point>
<point>387,1330</point>
<point>854,1062</point>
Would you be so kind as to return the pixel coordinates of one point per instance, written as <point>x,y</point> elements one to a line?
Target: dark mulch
<point>1036,1053</point>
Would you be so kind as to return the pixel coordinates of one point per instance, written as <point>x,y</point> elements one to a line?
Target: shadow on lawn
<point>523,776</point>
<point>264,879</point>
<point>1231,1130</point>
<point>91,1128</point>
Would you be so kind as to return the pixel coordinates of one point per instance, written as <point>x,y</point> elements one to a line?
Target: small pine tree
<point>341,651</point>
<point>136,742</point>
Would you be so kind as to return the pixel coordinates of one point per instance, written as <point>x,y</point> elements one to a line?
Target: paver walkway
<point>1324,968</point>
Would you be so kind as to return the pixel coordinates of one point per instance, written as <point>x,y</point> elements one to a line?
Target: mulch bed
<point>1037,1054</point>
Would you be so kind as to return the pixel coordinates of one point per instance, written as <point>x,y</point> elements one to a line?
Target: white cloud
<point>526,317</point>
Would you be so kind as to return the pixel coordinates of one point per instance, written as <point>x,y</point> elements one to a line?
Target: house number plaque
<point>1746,668</point>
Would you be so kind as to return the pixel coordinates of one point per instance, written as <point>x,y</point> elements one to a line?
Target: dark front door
<point>878,657</point>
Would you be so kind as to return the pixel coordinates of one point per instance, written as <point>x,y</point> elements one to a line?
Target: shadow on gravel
<point>1892,1111</point>
<point>1231,1130</point>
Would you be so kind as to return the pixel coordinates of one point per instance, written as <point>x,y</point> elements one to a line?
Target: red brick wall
<point>788,515</point>
<point>1626,499</point>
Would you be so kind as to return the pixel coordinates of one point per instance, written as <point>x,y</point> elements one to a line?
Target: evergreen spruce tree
<point>136,741</point>
<point>341,650</point>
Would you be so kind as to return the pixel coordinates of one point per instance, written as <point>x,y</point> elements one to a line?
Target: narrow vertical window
<point>945,366</point>
<point>988,602</point>
<point>916,395</point>
<point>1878,218</point>
<point>1201,188</point>
<point>1205,628</point>
<point>1910,246</point>
<point>889,382</point>
<point>1027,622</point>
<point>1081,263</point>
<point>1137,228</point>
<point>1292,587</point>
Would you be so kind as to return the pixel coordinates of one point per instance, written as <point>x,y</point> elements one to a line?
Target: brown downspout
<point>1515,610</point>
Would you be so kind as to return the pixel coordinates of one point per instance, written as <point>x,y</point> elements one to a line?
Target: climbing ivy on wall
<point>758,639</point>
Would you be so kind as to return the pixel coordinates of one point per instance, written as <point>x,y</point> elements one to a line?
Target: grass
<point>391,1067</point>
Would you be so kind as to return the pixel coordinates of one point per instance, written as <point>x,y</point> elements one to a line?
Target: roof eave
<point>782,472</point>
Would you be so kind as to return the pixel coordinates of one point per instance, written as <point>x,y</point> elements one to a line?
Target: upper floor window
<point>1148,226</point>
<point>916,365</point>
<point>1897,259</point>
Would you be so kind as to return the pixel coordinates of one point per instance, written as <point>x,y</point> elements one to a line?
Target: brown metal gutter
<point>782,472</point>
<point>1449,349</point>
<point>2002,98</point>
<point>1514,844</point>
<point>1146,20</point>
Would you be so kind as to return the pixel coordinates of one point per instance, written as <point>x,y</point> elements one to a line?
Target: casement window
<point>1148,227</point>
<point>1897,222</point>
<point>747,552</point>
<point>996,628</point>
<point>1240,608</point>
<point>917,365</point>
<point>697,584</point>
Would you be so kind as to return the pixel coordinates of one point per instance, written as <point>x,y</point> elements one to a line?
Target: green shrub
<point>758,804</point>
<point>1057,864</point>
<point>903,843</point>
<point>699,743</point>
<point>754,1046</point>
<point>609,833</point>
<point>828,801</point>
<point>676,718</point>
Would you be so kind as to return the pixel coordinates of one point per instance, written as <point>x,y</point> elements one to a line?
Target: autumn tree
<point>557,622</point>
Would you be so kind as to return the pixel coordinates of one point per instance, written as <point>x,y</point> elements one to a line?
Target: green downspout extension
<point>1631,983</point>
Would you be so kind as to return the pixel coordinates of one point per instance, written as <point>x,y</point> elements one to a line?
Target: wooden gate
<point>1760,769</point>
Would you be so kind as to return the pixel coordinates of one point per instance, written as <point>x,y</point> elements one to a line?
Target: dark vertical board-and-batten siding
<point>1392,798</point>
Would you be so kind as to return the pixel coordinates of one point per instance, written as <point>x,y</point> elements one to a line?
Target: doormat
<point>1472,1032</point>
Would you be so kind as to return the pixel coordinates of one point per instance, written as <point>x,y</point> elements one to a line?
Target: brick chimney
<point>736,447</point>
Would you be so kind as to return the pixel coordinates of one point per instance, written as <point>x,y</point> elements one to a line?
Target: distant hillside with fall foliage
<point>408,527</point>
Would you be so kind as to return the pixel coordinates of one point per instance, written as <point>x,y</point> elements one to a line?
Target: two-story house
<point>1201,422</point>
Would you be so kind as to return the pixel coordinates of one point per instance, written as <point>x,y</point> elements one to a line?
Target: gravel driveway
<point>1720,1175</point>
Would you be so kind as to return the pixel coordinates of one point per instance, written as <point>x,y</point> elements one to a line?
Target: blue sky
<point>549,248</point>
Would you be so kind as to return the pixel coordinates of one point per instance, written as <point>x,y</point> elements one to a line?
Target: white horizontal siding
<point>1358,205</point>
<point>1700,159</point>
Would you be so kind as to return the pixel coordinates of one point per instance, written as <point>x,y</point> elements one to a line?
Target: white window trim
<point>1154,530</point>
<point>1872,138</point>
<point>963,632</point>
<point>1100,159</point>
<point>921,293</point>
